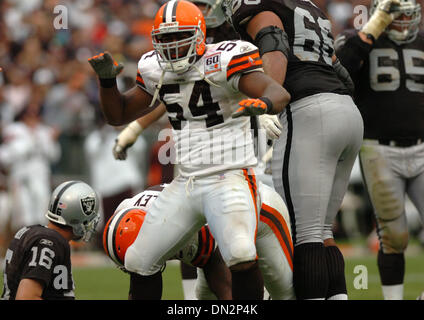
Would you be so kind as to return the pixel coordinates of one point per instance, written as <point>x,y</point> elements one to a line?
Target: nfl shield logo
<point>87,205</point>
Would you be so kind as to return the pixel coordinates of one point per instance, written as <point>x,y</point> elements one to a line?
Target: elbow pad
<point>344,76</point>
<point>272,38</point>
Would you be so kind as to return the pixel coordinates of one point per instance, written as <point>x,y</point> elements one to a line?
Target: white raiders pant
<point>313,159</point>
<point>389,174</point>
<point>228,202</point>
<point>274,246</point>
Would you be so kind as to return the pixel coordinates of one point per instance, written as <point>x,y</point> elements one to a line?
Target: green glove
<point>104,65</point>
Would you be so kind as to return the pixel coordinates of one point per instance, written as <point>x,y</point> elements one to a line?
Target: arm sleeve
<point>351,51</point>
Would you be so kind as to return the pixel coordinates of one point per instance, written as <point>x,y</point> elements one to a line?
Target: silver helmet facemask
<point>407,29</point>
<point>227,9</point>
<point>212,12</point>
<point>75,204</point>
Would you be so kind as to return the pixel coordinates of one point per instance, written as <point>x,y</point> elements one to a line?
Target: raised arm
<point>352,50</point>
<point>118,109</point>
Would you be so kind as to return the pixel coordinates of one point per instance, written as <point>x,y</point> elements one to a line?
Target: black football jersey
<point>389,82</point>
<point>222,33</point>
<point>309,69</point>
<point>42,254</point>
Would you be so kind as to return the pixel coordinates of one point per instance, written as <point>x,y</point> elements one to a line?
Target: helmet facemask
<point>227,9</point>
<point>84,231</point>
<point>404,30</point>
<point>405,26</point>
<point>172,57</point>
<point>212,12</point>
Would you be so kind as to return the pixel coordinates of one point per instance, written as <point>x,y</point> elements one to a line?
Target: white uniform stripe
<point>169,9</point>
<point>110,233</point>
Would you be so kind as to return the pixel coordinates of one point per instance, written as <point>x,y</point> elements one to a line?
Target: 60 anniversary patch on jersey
<point>213,63</point>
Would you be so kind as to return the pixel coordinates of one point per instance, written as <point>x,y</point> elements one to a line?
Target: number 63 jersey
<point>199,104</point>
<point>309,69</point>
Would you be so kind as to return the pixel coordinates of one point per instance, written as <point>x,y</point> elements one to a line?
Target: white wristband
<point>136,127</point>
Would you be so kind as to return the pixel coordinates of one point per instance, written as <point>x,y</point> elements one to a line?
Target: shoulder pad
<point>237,56</point>
<point>148,71</point>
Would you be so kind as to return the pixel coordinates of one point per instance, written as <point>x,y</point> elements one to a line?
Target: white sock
<point>394,292</point>
<point>189,289</point>
<point>339,296</point>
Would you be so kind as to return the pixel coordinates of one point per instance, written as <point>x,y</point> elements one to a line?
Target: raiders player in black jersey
<point>386,62</point>
<point>38,260</point>
<point>313,157</point>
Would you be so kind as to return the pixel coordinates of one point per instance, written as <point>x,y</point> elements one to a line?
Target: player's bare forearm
<point>258,84</point>
<point>152,116</point>
<point>111,102</point>
<point>120,109</point>
<point>275,65</point>
<point>29,289</point>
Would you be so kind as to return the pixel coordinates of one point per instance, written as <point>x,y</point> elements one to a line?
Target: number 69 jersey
<point>200,103</point>
<point>309,69</point>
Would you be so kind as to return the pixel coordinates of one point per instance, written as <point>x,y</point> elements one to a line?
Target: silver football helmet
<point>405,26</point>
<point>75,204</point>
<point>212,12</point>
<point>227,8</point>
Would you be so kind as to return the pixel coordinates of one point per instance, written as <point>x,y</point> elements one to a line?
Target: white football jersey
<point>206,138</point>
<point>142,200</point>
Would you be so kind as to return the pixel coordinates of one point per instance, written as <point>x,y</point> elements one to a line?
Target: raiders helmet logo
<point>87,205</point>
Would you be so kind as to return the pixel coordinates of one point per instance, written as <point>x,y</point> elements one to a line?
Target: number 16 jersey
<point>199,105</point>
<point>309,69</point>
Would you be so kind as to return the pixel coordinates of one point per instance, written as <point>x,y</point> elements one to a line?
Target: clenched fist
<point>104,65</point>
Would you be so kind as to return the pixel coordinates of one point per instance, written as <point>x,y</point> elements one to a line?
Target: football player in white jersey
<point>217,29</point>
<point>273,242</point>
<point>205,89</point>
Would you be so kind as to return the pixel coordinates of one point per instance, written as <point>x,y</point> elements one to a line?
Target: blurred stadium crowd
<point>50,126</point>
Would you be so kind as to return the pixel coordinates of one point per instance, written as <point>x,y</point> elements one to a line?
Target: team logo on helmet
<point>88,204</point>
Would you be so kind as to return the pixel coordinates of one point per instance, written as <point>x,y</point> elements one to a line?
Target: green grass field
<point>109,283</point>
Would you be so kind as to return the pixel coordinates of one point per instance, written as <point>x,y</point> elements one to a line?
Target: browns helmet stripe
<point>111,235</point>
<point>170,11</point>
